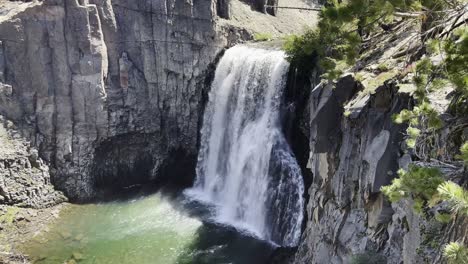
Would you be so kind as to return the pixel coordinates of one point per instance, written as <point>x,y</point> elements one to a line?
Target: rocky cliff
<point>82,72</point>
<point>24,177</point>
<point>356,148</point>
<point>352,156</point>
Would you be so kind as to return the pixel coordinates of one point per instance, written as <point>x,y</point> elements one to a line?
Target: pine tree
<point>456,253</point>
<point>419,183</point>
<point>455,195</point>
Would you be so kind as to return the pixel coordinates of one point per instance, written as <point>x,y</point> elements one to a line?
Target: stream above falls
<point>154,229</point>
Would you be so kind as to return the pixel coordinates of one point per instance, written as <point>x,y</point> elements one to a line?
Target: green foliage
<point>456,253</point>
<point>419,183</point>
<point>453,68</point>
<point>455,195</point>
<point>456,59</point>
<point>343,25</point>
<point>303,50</point>
<point>422,115</point>
<point>368,258</point>
<point>443,218</point>
<point>263,37</point>
<point>464,153</point>
<point>428,77</point>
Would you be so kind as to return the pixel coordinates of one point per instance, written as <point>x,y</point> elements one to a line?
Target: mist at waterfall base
<point>245,166</point>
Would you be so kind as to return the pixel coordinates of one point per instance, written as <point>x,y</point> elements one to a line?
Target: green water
<point>153,229</point>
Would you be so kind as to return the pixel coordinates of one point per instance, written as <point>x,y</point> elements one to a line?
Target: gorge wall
<point>351,156</point>
<point>78,73</point>
<point>355,149</point>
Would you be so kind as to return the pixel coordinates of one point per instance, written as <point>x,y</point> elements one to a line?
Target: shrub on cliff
<point>419,183</point>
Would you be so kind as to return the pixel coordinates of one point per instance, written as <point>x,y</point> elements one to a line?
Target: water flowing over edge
<point>245,166</point>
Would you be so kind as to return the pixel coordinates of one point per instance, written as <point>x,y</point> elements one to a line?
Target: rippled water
<point>152,229</point>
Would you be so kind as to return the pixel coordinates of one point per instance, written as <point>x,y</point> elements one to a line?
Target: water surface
<point>152,229</point>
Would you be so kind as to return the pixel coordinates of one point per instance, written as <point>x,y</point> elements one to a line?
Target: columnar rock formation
<point>76,73</point>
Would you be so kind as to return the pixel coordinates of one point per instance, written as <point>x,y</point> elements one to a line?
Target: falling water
<point>245,166</point>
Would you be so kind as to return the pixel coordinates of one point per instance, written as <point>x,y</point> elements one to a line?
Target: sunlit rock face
<point>77,73</point>
<point>355,149</point>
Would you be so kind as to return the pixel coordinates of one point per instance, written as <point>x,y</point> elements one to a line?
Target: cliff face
<point>76,74</point>
<point>354,150</point>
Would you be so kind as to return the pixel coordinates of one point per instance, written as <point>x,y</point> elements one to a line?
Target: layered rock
<point>24,177</point>
<point>355,148</point>
<point>84,71</point>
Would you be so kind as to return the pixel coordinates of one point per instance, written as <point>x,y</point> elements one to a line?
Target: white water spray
<point>245,166</point>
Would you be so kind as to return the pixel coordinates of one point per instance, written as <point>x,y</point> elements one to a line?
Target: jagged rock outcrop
<point>355,148</point>
<point>24,177</point>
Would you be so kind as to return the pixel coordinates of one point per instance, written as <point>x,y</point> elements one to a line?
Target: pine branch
<point>455,195</point>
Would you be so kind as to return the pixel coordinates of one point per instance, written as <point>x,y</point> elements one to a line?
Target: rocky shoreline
<point>28,201</point>
<point>20,225</point>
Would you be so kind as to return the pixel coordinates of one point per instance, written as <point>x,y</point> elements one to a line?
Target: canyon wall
<point>78,76</point>
<point>355,149</point>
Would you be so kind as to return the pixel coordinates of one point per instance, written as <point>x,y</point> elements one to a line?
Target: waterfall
<point>245,166</point>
